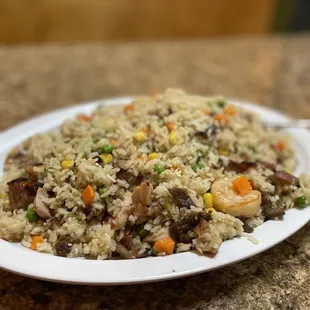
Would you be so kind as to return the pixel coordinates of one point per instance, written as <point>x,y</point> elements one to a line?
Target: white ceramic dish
<point>23,261</point>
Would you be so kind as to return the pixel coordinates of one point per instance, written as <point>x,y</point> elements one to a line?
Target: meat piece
<point>187,223</point>
<point>63,248</point>
<point>285,178</point>
<point>270,166</point>
<point>241,167</point>
<point>22,192</point>
<point>181,197</point>
<point>39,206</point>
<point>126,240</point>
<point>142,194</point>
<point>185,238</point>
<point>247,228</point>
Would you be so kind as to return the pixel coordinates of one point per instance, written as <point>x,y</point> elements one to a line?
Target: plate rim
<point>50,275</point>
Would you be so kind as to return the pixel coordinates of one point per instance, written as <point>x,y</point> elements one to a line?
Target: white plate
<point>23,261</point>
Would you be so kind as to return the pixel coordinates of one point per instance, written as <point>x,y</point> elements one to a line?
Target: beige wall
<point>105,20</point>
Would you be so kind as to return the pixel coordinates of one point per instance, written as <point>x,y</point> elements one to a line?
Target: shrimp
<point>226,200</point>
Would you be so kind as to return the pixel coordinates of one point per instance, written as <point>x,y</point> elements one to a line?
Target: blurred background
<point>70,21</point>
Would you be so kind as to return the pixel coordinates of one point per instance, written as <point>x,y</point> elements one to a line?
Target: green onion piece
<point>166,205</point>
<point>107,148</point>
<point>45,170</point>
<point>222,103</point>
<point>142,232</point>
<point>102,190</point>
<point>200,154</point>
<point>301,202</point>
<point>95,140</point>
<point>198,167</point>
<point>31,215</point>
<point>154,251</point>
<point>159,168</point>
<point>84,155</point>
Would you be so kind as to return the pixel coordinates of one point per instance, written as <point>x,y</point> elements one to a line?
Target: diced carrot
<point>129,107</point>
<point>170,126</point>
<point>145,129</point>
<point>230,110</point>
<point>112,225</point>
<point>83,118</point>
<point>281,146</point>
<point>35,240</point>
<point>221,117</point>
<point>206,111</point>
<point>154,95</point>
<point>88,195</point>
<point>140,158</point>
<point>112,141</point>
<point>242,185</point>
<point>165,245</point>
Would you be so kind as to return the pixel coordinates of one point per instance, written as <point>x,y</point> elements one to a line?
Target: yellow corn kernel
<point>139,136</point>
<point>106,158</point>
<point>208,200</point>
<point>223,152</point>
<point>152,156</point>
<point>212,210</point>
<point>67,164</point>
<point>173,138</point>
<point>2,195</point>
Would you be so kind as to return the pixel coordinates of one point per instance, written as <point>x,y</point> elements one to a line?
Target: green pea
<point>301,202</point>
<point>159,168</point>
<point>222,103</point>
<point>198,167</point>
<point>102,190</point>
<point>95,140</point>
<point>31,215</point>
<point>142,232</point>
<point>107,148</point>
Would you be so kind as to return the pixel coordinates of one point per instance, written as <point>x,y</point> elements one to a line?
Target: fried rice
<point>161,175</point>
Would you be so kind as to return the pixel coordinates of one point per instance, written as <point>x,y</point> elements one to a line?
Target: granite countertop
<point>271,71</point>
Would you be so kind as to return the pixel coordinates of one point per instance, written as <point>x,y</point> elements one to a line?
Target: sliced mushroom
<point>283,177</point>
<point>22,192</point>
<point>181,197</point>
<point>124,252</point>
<point>241,166</point>
<point>187,223</point>
<point>39,206</point>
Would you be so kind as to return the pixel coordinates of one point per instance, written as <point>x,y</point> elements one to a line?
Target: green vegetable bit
<point>45,170</point>
<point>102,190</point>
<point>222,103</point>
<point>198,167</point>
<point>95,140</point>
<point>200,154</point>
<point>107,148</point>
<point>166,205</point>
<point>31,215</point>
<point>84,155</point>
<point>142,232</point>
<point>154,251</point>
<point>159,168</point>
<point>301,202</point>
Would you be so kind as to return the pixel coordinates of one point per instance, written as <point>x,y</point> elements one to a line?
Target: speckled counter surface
<point>271,71</point>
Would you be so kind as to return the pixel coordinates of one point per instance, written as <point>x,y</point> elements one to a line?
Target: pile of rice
<point>190,148</point>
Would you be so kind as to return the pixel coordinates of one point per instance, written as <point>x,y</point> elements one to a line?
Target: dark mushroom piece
<point>63,248</point>
<point>187,223</point>
<point>22,192</point>
<point>285,178</point>
<point>241,167</point>
<point>209,132</point>
<point>270,166</point>
<point>181,197</point>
